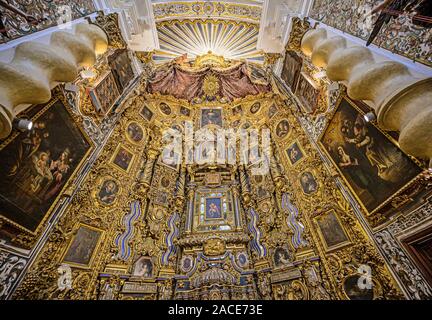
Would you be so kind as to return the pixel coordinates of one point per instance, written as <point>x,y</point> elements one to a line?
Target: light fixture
<point>369,117</point>
<point>22,124</point>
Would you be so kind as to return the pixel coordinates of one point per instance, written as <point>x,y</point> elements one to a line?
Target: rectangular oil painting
<point>331,231</point>
<point>373,166</point>
<point>83,246</point>
<point>121,67</point>
<point>36,165</point>
<point>105,93</point>
<point>291,69</point>
<point>308,93</point>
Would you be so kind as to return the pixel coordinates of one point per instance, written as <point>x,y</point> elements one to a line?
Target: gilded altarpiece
<point>146,229</point>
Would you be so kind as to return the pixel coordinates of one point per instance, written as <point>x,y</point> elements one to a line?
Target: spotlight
<point>22,124</point>
<point>369,117</point>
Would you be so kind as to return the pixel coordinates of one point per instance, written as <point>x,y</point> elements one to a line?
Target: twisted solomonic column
<point>37,67</point>
<point>401,100</point>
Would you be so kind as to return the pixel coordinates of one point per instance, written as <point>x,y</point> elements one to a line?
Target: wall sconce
<point>369,117</point>
<point>22,124</point>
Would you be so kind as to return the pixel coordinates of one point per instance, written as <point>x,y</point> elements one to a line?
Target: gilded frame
<point>311,171</point>
<point>57,96</point>
<point>99,182</point>
<point>324,149</point>
<point>146,106</point>
<point>131,163</point>
<point>127,135</point>
<point>305,156</point>
<point>205,207</point>
<point>99,242</point>
<point>277,123</point>
<point>211,125</point>
<point>321,236</point>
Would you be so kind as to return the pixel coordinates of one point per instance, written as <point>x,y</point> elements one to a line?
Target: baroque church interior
<point>215,150</point>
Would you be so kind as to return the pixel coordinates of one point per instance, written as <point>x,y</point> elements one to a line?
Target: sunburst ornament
<point>211,85</point>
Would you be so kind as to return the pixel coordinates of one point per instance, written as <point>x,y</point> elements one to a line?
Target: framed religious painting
<point>104,93</point>
<point>147,113</point>
<point>122,158</point>
<point>295,153</point>
<point>282,257</point>
<point>371,164</point>
<point>255,108</point>
<point>81,250</point>
<point>213,209</point>
<point>308,183</point>
<point>36,165</point>
<point>107,191</point>
<point>143,268</point>
<point>185,111</point>
<point>283,129</point>
<point>211,117</point>
<point>165,109</point>
<point>135,132</point>
<point>121,67</point>
<point>331,231</point>
<point>291,70</point>
<point>308,93</point>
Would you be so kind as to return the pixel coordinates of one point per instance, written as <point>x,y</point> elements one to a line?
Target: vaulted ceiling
<point>228,28</point>
<point>233,40</point>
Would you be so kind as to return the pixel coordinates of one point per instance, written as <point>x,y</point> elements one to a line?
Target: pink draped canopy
<point>235,82</point>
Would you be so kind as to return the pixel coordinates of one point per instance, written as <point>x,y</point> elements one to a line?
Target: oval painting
<point>282,129</point>
<point>165,109</point>
<point>135,132</point>
<point>108,192</point>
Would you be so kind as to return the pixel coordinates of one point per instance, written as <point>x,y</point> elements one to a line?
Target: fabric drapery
<point>235,82</point>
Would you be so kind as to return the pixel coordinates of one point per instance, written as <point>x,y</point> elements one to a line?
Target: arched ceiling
<point>231,39</point>
<point>227,28</point>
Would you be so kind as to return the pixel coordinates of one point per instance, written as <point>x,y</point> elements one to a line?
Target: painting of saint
<point>354,292</point>
<point>165,109</point>
<point>255,108</point>
<point>308,93</point>
<point>213,208</point>
<point>308,183</point>
<point>147,113</point>
<point>36,164</point>
<point>291,69</point>
<point>282,129</point>
<point>83,246</point>
<point>211,117</point>
<point>295,154</point>
<point>135,132</point>
<point>281,257</point>
<point>105,94</point>
<point>185,111</point>
<point>121,67</point>
<point>272,111</point>
<point>371,164</point>
<point>123,158</point>
<point>108,192</point>
<point>237,110</point>
<point>143,268</point>
<point>331,230</point>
